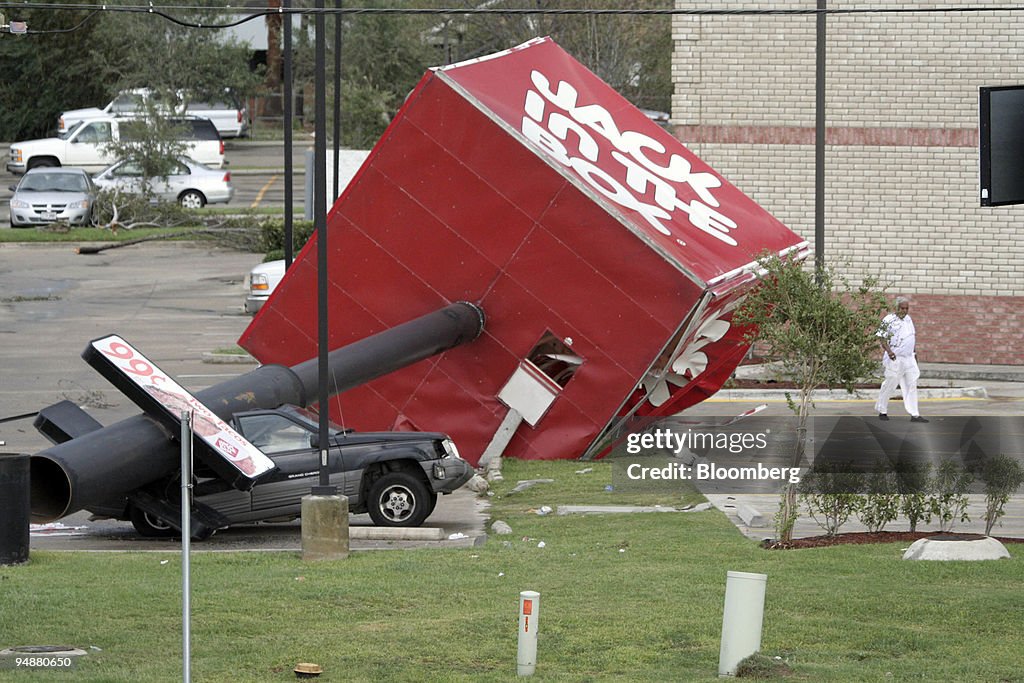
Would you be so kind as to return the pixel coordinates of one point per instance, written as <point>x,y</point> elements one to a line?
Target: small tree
<point>1002,475</point>
<point>153,142</point>
<point>821,329</point>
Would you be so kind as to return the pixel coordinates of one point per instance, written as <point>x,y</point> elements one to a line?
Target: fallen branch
<point>152,238</point>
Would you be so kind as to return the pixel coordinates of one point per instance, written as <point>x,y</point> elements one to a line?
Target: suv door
<point>86,148</point>
<point>288,443</point>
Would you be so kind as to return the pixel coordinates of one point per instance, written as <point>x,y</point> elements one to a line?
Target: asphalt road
<point>175,303</point>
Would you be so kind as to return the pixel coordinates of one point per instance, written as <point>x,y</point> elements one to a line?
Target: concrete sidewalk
<point>984,389</point>
<point>754,515</point>
<point>938,381</point>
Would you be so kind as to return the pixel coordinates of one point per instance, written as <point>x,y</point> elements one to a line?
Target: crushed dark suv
<point>394,476</point>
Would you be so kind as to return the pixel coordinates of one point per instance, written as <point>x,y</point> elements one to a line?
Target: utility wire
<point>249,14</point>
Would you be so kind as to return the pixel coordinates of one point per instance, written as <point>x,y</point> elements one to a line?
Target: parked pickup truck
<point>261,282</point>
<point>231,120</point>
<point>85,144</point>
<point>394,476</point>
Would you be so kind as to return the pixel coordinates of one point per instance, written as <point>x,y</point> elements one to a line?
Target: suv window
<point>126,102</point>
<point>274,433</point>
<point>203,129</point>
<point>95,132</point>
<point>191,129</point>
<point>213,105</point>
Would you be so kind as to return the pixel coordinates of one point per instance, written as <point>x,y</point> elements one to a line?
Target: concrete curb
<point>383,533</point>
<point>843,395</point>
<point>948,371</point>
<point>264,171</point>
<point>627,509</point>
<point>229,359</point>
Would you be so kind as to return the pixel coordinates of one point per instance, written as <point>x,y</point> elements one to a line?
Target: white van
<point>84,145</point>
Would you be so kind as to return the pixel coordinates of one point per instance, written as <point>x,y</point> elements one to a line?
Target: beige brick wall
<point>910,211</point>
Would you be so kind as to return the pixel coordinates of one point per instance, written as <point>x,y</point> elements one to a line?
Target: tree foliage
<point>102,53</point>
<point>46,74</point>
<point>199,63</point>
<point>384,56</point>
<point>818,326</point>
<point>821,330</point>
<point>153,141</point>
<point>632,53</point>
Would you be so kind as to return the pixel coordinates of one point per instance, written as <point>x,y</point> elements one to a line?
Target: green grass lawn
<point>623,598</point>
<point>80,234</point>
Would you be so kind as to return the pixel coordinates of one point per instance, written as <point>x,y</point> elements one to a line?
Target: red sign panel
<point>523,183</point>
<point>163,398</point>
<point>627,163</point>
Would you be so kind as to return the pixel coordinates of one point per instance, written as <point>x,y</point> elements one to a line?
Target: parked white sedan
<point>191,184</point>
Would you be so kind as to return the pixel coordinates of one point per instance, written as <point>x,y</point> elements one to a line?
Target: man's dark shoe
<point>918,419</point>
<point>883,416</point>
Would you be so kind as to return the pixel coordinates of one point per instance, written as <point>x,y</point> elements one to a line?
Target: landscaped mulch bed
<point>877,537</point>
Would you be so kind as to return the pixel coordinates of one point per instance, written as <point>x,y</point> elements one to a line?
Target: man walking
<point>898,337</point>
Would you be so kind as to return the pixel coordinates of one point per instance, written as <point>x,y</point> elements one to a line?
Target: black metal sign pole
<point>289,171</point>
<point>819,143</point>
<point>337,99</point>
<point>320,224</point>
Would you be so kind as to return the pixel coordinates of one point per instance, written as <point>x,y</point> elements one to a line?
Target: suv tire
<point>149,525</point>
<point>400,499</point>
<point>44,162</point>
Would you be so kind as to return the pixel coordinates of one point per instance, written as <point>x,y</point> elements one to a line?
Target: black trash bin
<point>15,508</point>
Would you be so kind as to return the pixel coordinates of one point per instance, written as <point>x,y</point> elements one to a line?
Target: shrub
<point>1002,475</point>
<point>912,482</point>
<point>272,235</point>
<point>881,505</point>
<point>831,493</point>
<point>949,494</point>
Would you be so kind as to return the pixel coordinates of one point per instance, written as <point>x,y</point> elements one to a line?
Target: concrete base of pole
<point>324,527</point>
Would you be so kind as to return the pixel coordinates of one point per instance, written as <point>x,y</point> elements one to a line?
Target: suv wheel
<point>45,162</point>
<point>399,499</point>
<point>151,526</point>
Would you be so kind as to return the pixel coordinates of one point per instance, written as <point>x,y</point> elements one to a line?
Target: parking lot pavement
<point>175,302</point>
<point>459,519</point>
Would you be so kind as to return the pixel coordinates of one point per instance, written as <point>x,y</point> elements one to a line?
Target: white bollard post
<point>529,618</point>
<point>742,619</point>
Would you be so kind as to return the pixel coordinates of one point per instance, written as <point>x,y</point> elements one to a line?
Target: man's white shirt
<point>901,334</point>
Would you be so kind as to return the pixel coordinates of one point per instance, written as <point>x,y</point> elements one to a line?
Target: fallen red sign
<point>607,257</point>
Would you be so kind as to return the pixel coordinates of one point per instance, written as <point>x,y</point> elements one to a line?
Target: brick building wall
<point>901,156</point>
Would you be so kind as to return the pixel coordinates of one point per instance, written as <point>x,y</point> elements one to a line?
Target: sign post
<point>186,545</point>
